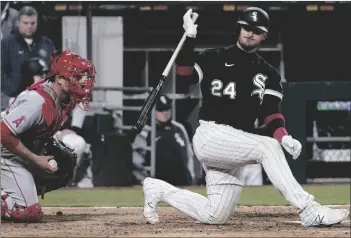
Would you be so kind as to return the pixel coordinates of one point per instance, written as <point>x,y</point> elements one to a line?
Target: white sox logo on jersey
<point>254,16</point>
<point>179,139</point>
<point>259,80</point>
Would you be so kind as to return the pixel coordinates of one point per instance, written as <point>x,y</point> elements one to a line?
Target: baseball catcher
<point>32,161</point>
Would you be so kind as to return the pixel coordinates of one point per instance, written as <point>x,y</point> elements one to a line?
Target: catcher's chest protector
<point>53,114</point>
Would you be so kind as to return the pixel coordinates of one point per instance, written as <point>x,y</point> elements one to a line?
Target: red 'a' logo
<point>18,121</point>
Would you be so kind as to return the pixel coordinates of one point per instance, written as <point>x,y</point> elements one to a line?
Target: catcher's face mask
<point>79,74</point>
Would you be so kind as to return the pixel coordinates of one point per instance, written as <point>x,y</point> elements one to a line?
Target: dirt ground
<point>267,221</point>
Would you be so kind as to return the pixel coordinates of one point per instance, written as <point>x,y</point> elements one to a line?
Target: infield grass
<point>338,194</point>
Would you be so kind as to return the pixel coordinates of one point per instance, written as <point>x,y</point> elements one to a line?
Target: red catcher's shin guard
<point>18,213</point>
<point>4,207</point>
<point>32,213</point>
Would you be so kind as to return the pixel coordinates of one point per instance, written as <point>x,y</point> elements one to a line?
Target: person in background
<point>174,153</point>
<point>9,16</point>
<point>8,25</point>
<point>32,71</point>
<point>20,46</point>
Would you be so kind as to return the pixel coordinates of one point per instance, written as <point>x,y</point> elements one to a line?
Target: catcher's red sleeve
<point>8,139</point>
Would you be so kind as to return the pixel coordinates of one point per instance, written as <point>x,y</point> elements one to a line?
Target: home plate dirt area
<point>247,221</point>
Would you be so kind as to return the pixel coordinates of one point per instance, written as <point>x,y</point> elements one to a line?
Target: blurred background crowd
<point>131,42</point>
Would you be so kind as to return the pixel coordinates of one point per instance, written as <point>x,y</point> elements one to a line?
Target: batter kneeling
<point>238,86</point>
<point>27,129</point>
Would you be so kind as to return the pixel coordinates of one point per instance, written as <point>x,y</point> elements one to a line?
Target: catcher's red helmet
<point>79,74</point>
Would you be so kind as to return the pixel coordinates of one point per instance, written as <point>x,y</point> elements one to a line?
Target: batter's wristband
<point>184,70</point>
<point>279,133</point>
<point>275,125</point>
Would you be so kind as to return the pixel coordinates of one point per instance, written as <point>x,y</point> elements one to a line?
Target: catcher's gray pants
<point>18,183</point>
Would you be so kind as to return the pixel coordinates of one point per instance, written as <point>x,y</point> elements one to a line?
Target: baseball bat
<point>155,93</point>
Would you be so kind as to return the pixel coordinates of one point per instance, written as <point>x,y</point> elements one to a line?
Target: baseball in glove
<point>66,160</point>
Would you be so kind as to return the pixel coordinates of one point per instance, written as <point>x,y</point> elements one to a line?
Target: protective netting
<point>331,132</point>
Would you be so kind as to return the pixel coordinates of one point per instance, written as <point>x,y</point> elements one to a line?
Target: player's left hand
<point>188,24</point>
<point>292,146</point>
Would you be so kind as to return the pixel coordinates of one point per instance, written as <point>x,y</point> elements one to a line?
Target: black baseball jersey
<point>233,85</point>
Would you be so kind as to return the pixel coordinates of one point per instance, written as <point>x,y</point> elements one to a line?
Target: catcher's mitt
<point>66,160</point>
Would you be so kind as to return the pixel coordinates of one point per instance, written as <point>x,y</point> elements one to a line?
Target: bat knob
<point>194,16</point>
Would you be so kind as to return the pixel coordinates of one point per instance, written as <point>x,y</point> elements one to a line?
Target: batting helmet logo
<point>254,16</point>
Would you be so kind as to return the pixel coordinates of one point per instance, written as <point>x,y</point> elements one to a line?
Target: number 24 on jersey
<point>218,90</point>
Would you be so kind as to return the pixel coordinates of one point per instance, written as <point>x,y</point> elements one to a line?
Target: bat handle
<point>194,17</point>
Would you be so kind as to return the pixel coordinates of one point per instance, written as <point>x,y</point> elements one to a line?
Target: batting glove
<point>188,24</point>
<point>292,146</point>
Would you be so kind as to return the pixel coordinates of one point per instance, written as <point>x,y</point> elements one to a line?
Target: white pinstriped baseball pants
<point>224,151</point>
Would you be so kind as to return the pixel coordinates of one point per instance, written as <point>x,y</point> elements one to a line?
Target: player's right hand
<point>188,24</point>
<point>42,161</point>
<point>292,146</point>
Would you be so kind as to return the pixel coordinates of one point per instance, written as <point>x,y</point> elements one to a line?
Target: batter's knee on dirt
<point>14,212</point>
<point>222,206</point>
<point>223,194</point>
<point>215,220</point>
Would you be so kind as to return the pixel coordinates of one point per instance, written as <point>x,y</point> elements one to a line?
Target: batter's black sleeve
<point>185,62</point>
<point>186,56</point>
<point>271,105</point>
<point>192,65</point>
<point>273,84</point>
<point>206,62</point>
